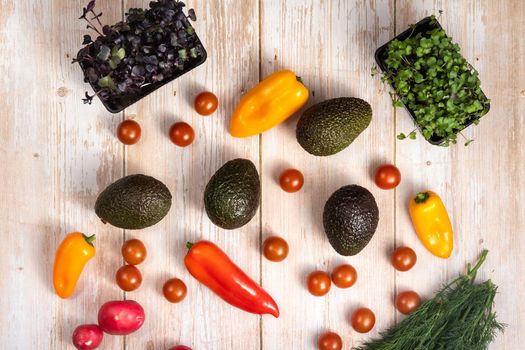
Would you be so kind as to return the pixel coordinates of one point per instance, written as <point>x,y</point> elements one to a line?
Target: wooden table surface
<point>57,154</point>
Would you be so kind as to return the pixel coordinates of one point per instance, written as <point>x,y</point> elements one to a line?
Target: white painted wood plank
<point>330,44</point>
<point>56,153</point>
<point>229,32</point>
<point>482,185</point>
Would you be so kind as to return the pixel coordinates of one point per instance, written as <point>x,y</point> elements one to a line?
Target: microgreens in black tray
<point>433,81</point>
<point>151,46</point>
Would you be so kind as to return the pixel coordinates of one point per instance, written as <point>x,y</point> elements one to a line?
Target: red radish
<point>87,337</point>
<point>121,317</point>
<point>180,347</point>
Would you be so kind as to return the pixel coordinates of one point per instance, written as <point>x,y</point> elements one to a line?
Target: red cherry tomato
<point>182,134</point>
<point>344,276</point>
<point>121,317</point>
<point>404,258</point>
<point>206,103</point>
<point>291,180</point>
<point>387,177</point>
<point>330,341</point>
<point>128,132</point>
<point>180,347</point>
<point>87,337</point>
<point>407,302</point>
<point>318,283</point>
<point>275,249</point>
<point>174,290</point>
<point>363,320</point>
<point>128,278</point>
<point>134,251</point>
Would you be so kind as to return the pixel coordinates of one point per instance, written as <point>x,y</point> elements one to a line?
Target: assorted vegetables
<point>212,267</point>
<point>430,77</point>
<point>268,104</point>
<point>459,316</point>
<point>70,258</point>
<point>432,224</point>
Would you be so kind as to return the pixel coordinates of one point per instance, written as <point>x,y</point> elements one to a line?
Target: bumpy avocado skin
<point>232,195</point>
<point>330,126</point>
<point>134,202</point>
<point>350,219</point>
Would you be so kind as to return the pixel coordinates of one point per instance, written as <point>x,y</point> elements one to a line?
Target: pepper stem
<point>421,197</point>
<point>89,239</point>
<point>299,79</point>
<point>189,245</point>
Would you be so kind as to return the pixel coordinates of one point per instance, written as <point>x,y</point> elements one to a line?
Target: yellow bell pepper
<point>432,224</point>
<point>271,102</point>
<point>71,257</point>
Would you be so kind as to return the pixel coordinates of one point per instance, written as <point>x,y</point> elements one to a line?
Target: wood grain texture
<point>57,154</point>
<point>330,44</point>
<point>481,185</point>
<point>203,320</point>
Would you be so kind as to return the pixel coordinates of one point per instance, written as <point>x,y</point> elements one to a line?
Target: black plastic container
<point>118,104</point>
<point>423,26</point>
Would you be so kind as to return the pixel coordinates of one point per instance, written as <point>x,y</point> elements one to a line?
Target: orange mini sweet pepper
<point>432,224</point>
<point>271,102</point>
<point>71,257</point>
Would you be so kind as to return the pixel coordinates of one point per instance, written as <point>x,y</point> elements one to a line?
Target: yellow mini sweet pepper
<point>432,224</point>
<point>271,102</point>
<point>71,257</point>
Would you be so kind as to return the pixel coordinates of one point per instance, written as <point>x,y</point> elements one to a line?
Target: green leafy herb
<point>459,317</point>
<point>433,80</point>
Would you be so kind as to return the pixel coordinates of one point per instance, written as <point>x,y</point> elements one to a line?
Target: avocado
<point>330,126</point>
<point>232,195</point>
<point>134,202</point>
<point>350,219</point>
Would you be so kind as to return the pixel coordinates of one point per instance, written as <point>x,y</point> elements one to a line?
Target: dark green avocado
<point>134,202</point>
<point>350,219</point>
<point>330,126</point>
<point>232,195</point>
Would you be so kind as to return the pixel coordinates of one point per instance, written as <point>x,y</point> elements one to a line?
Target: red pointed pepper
<point>212,267</point>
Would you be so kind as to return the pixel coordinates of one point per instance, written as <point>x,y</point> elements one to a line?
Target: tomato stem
<point>189,245</point>
<point>421,197</point>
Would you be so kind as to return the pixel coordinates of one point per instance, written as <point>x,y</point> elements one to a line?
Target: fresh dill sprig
<point>458,317</point>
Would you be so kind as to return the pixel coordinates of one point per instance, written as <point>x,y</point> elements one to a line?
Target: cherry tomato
<point>363,320</point>
<point>330,341</point>
<point>275,249</point>
<point>128,132</point>
<point>407,302</point>
<point>291,180</point>
<point>206,103</point>
<point>180,347</point>
<point>387,177</point>
<point>87,337</point>
<point>318,283</point>
<point>182,134</point>
<point>134,251</point>
<point>174,290</point>
<point>404,258</point>
<point>128,278</point>
<point>344,276</point>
